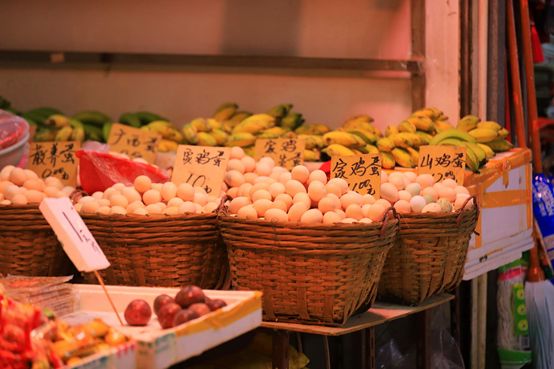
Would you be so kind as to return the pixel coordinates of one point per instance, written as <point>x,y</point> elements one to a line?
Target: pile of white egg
<point>410,193</point>
<point>262,190</point>
<point>147,198</point>
<point>23,186</point>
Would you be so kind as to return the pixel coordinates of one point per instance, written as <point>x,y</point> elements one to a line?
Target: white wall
<point>322,28</point>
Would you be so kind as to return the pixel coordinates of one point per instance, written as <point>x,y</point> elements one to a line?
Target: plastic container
<point>13,154</point>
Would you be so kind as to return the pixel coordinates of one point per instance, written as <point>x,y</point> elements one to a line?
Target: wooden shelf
<point>20,58</point>
<point>379,314</point>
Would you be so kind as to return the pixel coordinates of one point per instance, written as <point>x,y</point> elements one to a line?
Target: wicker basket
<point>429,257</point>
<point>166,251</point>
<point>28,246</point>
<point>308,274</point>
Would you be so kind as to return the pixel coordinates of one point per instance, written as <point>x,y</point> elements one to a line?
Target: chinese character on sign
<point>289,145</point>
<point>269,147</point>
<point>339,168</point>
<point>443,160</point>
<point>38,155</point>
<point>426,161</point>
<point>459,160</point>
<point>134,142</point>
<point>286,152</point>
<point>187,156</point>
<point>117,136</point>
<point>55,159</point>
<point>362,172</point>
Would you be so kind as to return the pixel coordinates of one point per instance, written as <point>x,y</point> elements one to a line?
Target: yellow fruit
<point>368,137</point>
<point>343,138</point>
<point>488,151</point>
<point>406,126</point>
<point>205,139</point>
<point>391,130</point>
<point>441,126</point>
<point>274,132</point>
<point>387,160</point>
<point>490,125</point>
<point>424,137</point>
<point>468,123</point>
<point>402,158</point>
<point>499,145</point>
<point>200,124</point>
<point>167,145</point>
<point>242,139</point>
<point>64,134</point>
<point>255,123</point>
<point>220,136</point>
<point>337,150</point>
<point>311,155</point>
<point>214,124</point>
<point>385,144</point>
<point>57,120</point>
<point>503,133</point>
<point>312,141</point>
<point>371,149</point>
<point>483,135</point>
<point>190,133</point>
<point>422,123</point>
<point>78,134</point>
<point>414,154</point>
<point>225,111</point>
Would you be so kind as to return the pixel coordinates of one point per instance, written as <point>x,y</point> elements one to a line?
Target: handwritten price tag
<point>362,172</point>
<point>287,152</point>
<point>442,162</point>
<point>134,142</point>
<point>76,239</point>
<point>201,166</point>
<point>55,159</point>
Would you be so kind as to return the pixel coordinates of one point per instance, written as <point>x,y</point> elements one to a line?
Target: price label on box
<point>75,237</point>
<point>55,159</point>
<point>201,166</point>
<point>362,172</point>
<point>134,142</point>
<point>442,162</point>
<point>286,152</point>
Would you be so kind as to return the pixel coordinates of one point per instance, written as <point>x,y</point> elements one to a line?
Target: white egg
<point>461,189</point>
<point>397,179</point>
<point>172,210</point>
<point>151,196</point>
<point>261,206</point>
<point>445,205</point>
<point>432,208</point>
<point>389,192</point>
<point>341,213</point>
<point>460,201</point>
<point>142,183</point>
<point>236,164</point>
<point>119,186</point>
<point>118,210</point>
<point>109,192</point>
<point>249,163</point>
<point>131,194</point>
<point>403,207</point>
<point>425,180</point>
<point>68,190</point>
<point>376,212</point>
<point>296,210</point>
<point>449,182</point>
<point>188,207</point>
<point>285,177</point>
<point>200,198</point>
<point>417,203</point>
<point>237,152</point>
<point>134,205</point>
<point>329,203</point>
<point>292,187</point>
<point>104,202</point>
<point>429,194</point>
<point>409,177</point>
<point>414,188</point>
<point>169,191</point>
<point>276,189</point>
<point>51,191</point>
<point>157,186</point>
<point>5,172</point>
<point>5,202</point>
<point>250,177</point>
<point>447,193</point>
<point>119,200</point>
<point>366,221</point>
<point>98,195</point>
<point>185,192</point>
<point>248,212</point>
<point>104,210</point>
<point>332,217</point>
<point>234,178</point>
<point>175,202</point>
<point>261,194</point>
<point>276,215</point>
<point>263,168</point>
<point>354,211</point>
<point>316,190</point>
<point>285,198</point>
<point>210,207</point>
<point>404,195</point>
<point>19,199</point>
<point>300,173</point>
<point>384,202</point>
<point>18,177</point>
<point>140,211</point>
<point>384,177</point>
<point>34,196</point>
<point>341,183</point>
<point>34,184</point>
<point>349,198</point>
<point>264,179</point>
<point>312,216</point>
<point>244,189</point>
<point>257,187</point>
<point>154,209</point>
<point>90,207</point>
<point>277,204</point>
<point>317,175</point>
<point>4,185</point>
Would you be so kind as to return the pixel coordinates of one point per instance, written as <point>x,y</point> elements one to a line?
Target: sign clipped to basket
<point>201,166</point>
<point>134,142</point>
<point>286,152</point>
<point>362,172</point>
<point>55,159</point>
<point>442,162</point>
<point>77,241</point>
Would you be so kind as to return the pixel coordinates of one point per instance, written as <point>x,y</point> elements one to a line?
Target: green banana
<point>106,129</point>
<point>225,111</point>
<point>488,151</point>
<point>146,117</point>
<point>424,137</point>
<point>280,111</point>
<point>499,145</point>
<point>57,120</point>
<point>472,161</point>
<point>91,117</point>
<point>93,132</point>
<point>478,151</point>
<point>452,133</point>
<point>39,115</point>
<point>78,134</point>
<point>292,121</point>
<point>130,119</point>
<point>45,134</point>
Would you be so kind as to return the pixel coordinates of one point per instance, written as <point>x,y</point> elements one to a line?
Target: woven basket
<point>28,246</point>
<point>166,251</point>
<point>308,274</point>
<point>429,257</point>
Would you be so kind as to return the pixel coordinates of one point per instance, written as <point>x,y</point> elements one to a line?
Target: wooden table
<point>379,314</point>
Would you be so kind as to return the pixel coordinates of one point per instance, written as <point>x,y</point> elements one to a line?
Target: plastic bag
<point>12,129</point>
<point>543,210</point>
<point>100,170</point>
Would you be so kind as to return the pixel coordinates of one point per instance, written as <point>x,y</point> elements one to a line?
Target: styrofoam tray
<point>158,348</point>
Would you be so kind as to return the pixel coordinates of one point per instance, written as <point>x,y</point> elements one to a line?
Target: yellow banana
<point>311,155</point>
<point>225,111</point>
<point>503,133</point>
<point>312,129</point>
<point>57,120</point>
<point>200,124</point>
<point>483,135</point>
<point>391,130</point>
<point>205,139</point>
<point>255,123</point>
<point>237,118</point>
<point>337,150</point>
<point>64,134</point>
<point>385,144</point>
<point>490,125</point>
<point>368,137</point>
<point>425,112</point>
<point>312,141</point>
<point>387,160</point>
<point>488,151</point>
<point>274,132</point>
<point>78,134</point>
<point>406,126</point>
<point>250,151</point>
<point>499,145</point>
<point>343,138</point>
<point>402,158</point>
<point>422,123</point>
<point>371,149</point>
<point>468,123</point>
<point>241,139</point>
<point>190,133</point>
<point>167,145</point>
<point>214,124</point>
<point>414,154</point>
<point>220,136</point>
<point>442,126</point>
<point>424,137</point>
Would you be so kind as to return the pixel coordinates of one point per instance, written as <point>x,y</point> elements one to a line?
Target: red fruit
<point>215,304</point>
<point>167,313</point>
<point>138,312</point>
<point>189,295</point>
<point>200,309</point>
<point>184,316</point>
<point>160,301</point>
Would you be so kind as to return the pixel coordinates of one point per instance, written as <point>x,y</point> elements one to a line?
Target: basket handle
<point>387,218</point>
<point>459,218</point>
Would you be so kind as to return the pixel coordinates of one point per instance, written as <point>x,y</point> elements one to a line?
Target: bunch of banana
<point>171,137</point>
<point>57,127</point>
<point>476,153</point>
<point>204,132</point>
<point>488,133</point>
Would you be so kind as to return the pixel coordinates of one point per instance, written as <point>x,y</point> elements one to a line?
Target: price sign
<point>201,166</point>
<point>443,162</point>
<point>134,142</point>
<point>362,172</point>
<point>76,239</point>
<point>286,152</point>
<point>55,159</point>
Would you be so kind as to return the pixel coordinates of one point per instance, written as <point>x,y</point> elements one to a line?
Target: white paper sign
<point>78,243</point>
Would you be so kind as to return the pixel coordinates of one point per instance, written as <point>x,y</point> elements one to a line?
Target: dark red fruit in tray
<point>166,315</point>
<point>138,312</point>
<point>189,295</point>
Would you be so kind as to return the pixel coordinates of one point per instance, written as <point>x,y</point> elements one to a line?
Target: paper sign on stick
<point>201,166</point>
<point>76,239</point>
<point>134,142</point>
<point>442,162</point>
<point>286,152</point>
<point>55,159</point>
<point>362,172</point>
